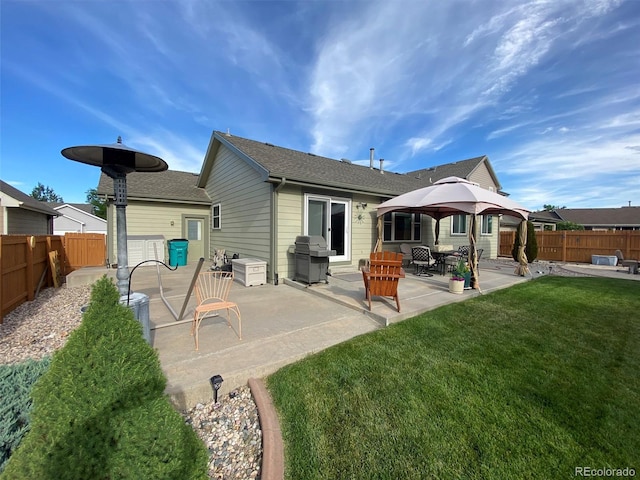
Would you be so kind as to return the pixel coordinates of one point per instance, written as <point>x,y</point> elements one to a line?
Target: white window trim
<point>413,224</point>
<point>213,217</point>
<point>348,212</point>
<point>466,228</point>
<point>482,232</point>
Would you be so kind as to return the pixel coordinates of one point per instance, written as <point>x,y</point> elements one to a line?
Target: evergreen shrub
<point>16,382</point>
<point>99,412</point>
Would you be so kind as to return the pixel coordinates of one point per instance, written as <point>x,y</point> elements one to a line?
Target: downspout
<point>274,229</point>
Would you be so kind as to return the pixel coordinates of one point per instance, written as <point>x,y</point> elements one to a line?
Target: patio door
<point>331,218</point>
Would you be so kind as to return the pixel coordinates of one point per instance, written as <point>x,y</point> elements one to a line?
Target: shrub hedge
<point>16,382</point>
<point>99,412</point>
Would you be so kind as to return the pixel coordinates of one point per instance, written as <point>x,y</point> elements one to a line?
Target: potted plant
<point>457,280</point>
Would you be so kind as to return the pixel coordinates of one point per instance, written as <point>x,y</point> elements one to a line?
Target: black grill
<point>312,259</point>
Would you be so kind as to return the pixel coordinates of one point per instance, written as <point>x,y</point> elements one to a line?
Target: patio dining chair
<point>423,260</point>
<point>382,275</point>
<point>407,257</point>
<point>212,290</point>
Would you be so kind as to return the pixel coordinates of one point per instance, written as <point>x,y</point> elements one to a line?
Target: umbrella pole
<point>473,254</point>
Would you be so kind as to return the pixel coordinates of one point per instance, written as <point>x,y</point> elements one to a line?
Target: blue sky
<point>549,90</point>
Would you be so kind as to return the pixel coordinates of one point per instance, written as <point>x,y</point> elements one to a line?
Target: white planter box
<point>610,260</point>
<point>249,271</point>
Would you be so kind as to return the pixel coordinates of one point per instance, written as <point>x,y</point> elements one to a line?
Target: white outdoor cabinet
<point>249,271</point>
<point>145,247</point>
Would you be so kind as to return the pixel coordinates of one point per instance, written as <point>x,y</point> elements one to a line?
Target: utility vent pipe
<point>381,162</point>
<point>371,150</point>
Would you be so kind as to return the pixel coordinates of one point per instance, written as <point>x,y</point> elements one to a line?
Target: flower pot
<point>456,285</point>
<point>467,280</point>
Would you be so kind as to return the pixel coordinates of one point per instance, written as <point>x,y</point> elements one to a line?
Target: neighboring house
<point>77,218</point>
<point>542,221</point>
<point>21,214</point>
<point>163,205</point>
<point>623,218</point>
<point>602,219</point>
<point>263,196</point>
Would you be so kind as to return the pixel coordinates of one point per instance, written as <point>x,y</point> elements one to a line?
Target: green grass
<point>527,382</point>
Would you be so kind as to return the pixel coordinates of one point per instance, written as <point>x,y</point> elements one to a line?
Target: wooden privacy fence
<point>578,245</point>
<point>26,267</point>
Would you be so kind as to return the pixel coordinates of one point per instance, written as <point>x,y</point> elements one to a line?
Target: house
<point>77,218</point>
<point>254,198</point>
<point>603,219</point>
<point>161,206</point>
<point>542,221</point>
<point>598,219</point>
<point>21,214</point>
<point>263,196</point>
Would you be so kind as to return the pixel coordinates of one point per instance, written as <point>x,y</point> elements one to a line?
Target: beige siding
<point>364,232</point>
<point>245,206</point>
<point>26,222</point>
<point>3,227</point>
<point>482,177</point>
<point>152,218</point>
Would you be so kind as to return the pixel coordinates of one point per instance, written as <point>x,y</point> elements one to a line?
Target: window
<point>215,217</point>
<point>401,226</point>
<point>487,225</point>
<point>459,225</point>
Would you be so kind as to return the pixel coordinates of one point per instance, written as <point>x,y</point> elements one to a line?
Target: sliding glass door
<point>331,218</point>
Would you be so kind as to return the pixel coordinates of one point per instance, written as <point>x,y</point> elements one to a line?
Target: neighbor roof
<point>85,207</point>
<point>601,217</point>
<point>27,201</point>
<point>167,186</point>
<point>276,163</point>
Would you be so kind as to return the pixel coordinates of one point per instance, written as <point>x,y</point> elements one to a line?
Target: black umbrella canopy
<point>117,157</point>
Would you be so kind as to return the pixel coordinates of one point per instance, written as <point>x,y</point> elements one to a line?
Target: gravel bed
<point>230,429</point>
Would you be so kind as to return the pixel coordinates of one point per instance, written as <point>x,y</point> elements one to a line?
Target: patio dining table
<point>440,257</point>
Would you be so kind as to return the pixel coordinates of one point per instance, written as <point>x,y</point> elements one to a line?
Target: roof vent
<point>371,150</point>
<point>312,154</point>
<point>381,162</point>
<point>228,134</point>
<point>345,160</point>
<point>269,144</point>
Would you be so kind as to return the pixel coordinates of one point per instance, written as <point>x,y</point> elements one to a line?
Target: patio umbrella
<point>451,196</point>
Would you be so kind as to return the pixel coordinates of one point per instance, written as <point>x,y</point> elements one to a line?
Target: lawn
<point>527,382</point>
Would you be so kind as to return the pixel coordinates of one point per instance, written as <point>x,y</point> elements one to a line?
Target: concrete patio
<point>280,324</point>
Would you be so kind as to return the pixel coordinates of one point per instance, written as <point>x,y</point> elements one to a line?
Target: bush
<point>16,382</point>
<point>100,411</point>
<point>531,249</point>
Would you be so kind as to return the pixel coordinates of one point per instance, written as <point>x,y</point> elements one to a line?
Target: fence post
<point>627,244</point>
<point>564,246</point>
<point>31,243</point>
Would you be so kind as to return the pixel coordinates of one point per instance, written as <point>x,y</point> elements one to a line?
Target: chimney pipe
<point>381,162</point>
<point>371,150</point>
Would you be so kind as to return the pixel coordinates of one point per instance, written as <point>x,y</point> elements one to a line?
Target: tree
<point>551,208</point>
<point>45,194</point>
<point>99,205</point>
<point>568,226</point>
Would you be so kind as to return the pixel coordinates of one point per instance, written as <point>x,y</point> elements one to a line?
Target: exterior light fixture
<point>216,383</point>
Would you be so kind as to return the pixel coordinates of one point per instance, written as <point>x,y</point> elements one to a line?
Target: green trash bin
<point>178,250</point>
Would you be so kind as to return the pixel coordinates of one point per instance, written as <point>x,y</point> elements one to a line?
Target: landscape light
<point>216,383</point>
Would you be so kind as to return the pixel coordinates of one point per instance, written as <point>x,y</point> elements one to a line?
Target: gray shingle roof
<point>28,201</point>
<point>85,207</point>
<point>170,185</point>
<point>309,168</point>
<point>601,217</point>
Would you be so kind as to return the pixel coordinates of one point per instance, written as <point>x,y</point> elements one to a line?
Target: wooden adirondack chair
<point>382,275</point>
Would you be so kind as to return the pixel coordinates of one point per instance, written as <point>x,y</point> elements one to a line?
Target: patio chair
<point>405,249</point>
<point>212,289</point>
<point>631,264</point>
<point>423,260</point>
<point>382,275</point>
